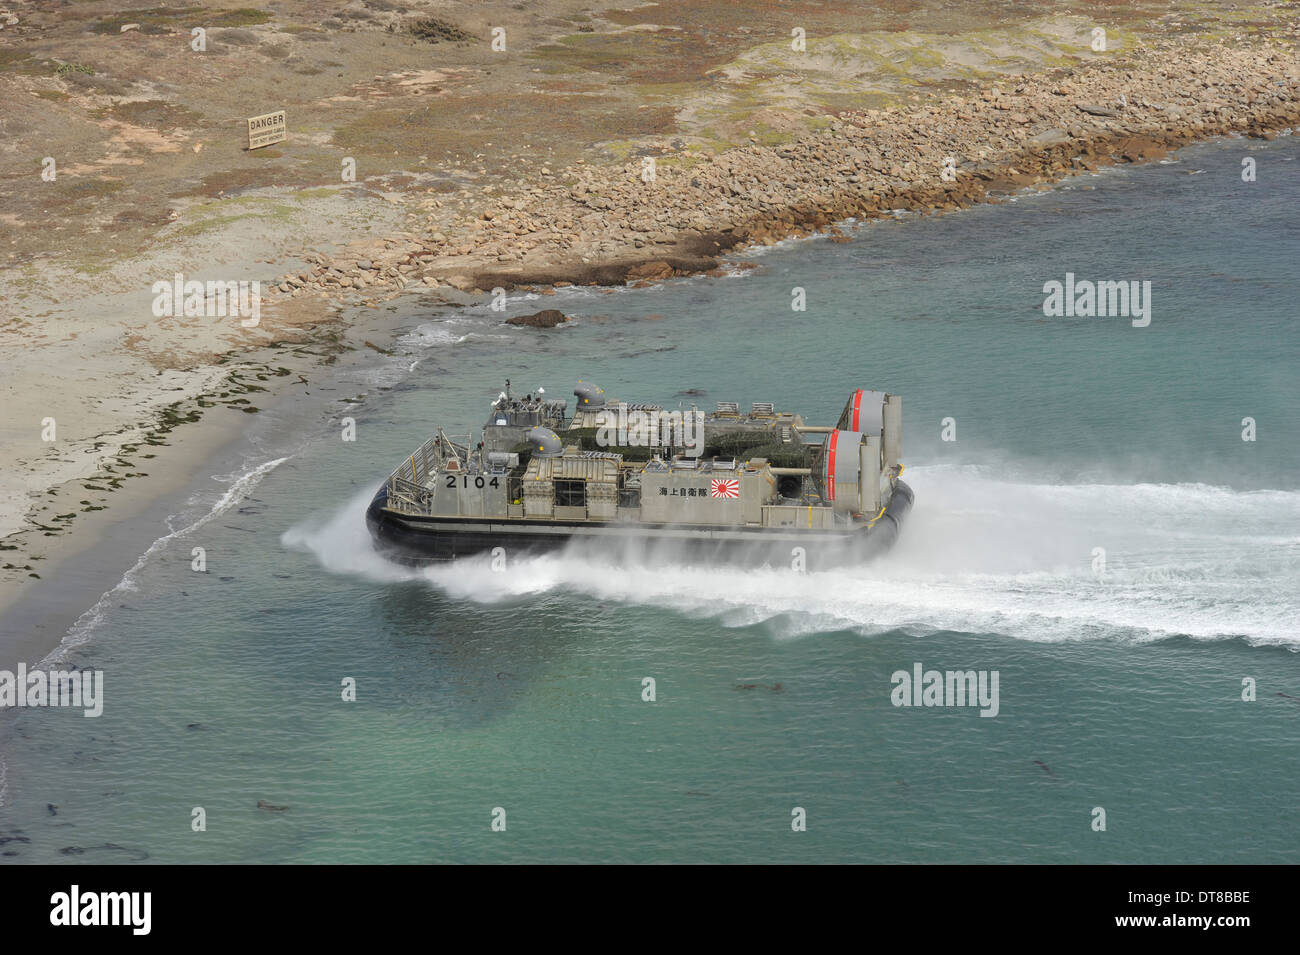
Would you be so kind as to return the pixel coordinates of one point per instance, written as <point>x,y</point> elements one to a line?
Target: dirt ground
<point>149,140</point>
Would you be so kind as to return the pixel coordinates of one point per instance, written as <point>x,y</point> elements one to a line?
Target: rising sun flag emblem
<point>724,488</point>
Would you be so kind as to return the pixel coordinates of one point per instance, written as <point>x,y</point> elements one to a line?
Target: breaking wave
<point>451,331</point>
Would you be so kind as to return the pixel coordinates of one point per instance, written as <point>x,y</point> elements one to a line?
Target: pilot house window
<point>570,493</point>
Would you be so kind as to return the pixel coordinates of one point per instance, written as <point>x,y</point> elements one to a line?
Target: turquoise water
<point>523,690</point>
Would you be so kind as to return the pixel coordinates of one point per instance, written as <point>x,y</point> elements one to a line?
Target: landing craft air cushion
<point>756,486</point>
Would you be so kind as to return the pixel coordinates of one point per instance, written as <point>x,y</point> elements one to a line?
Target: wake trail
<point>980,553</point>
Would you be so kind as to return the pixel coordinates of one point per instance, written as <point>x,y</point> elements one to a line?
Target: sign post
<point>266,130</point>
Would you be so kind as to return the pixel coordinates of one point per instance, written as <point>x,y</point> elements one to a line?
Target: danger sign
<point>267,130</point>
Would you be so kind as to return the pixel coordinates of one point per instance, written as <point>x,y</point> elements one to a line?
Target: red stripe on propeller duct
<point>830,464</point>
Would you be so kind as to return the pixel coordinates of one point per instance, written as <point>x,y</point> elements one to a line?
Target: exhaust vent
<point>544,442</point>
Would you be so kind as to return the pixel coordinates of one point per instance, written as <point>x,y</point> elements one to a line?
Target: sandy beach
<point>602,145</point>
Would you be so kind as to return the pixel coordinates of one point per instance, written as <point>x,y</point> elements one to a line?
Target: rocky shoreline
<point>592,225</point>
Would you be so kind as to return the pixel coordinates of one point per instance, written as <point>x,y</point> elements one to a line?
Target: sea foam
<point>980,553</point>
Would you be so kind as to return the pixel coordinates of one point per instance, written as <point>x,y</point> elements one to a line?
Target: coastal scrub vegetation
<point>436,30</point>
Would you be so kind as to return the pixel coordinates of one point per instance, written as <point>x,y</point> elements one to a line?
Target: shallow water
<point>1119,689</point>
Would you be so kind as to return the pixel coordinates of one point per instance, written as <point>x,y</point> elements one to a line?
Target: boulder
<point>546,318</point>
<point>650,270</point>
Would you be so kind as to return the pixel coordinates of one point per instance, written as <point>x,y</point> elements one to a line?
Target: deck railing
<point>409,498</point>
<point>406,485</point>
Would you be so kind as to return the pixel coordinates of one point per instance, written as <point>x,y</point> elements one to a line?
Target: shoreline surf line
<point>83,628</point>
